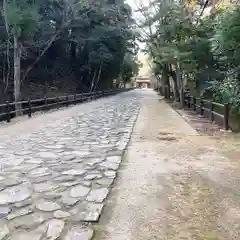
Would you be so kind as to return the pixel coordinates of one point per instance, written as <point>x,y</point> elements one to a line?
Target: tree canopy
<point>194,51</point>
<point>77,45</point>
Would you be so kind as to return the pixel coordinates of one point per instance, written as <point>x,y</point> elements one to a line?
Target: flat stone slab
<point>105,182</point>
<point>23,153</point>
<point>48,155</point>
<point>14,194</point>
<point>44,187</point>
<point>79,191</point>
<point>20,212</point>
<point>4,230</point>
<point>79,233</point>
<point>69,201</point>
<point>74,172</point>
<point>4,211</point>
<point>97,195</point>
<point>40,172</point>
<point>47,206</point>
<point>55,227</point>
<point>28,221</point>
<point>89,212</point>
<point>61,214</point>
<point>92,162</point>
<point>110,165</point>
<point>26,236</point>
<point>93,176</point>
<point>110,173</point>
<point>114,159</point>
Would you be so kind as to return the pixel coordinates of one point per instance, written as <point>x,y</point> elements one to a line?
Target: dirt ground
<point>173,182</point>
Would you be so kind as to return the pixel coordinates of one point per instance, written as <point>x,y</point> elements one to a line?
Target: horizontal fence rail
<point>8,110</point>
<point>216,112</point>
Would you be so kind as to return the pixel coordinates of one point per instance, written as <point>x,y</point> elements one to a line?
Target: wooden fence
<point>215,112</point>
<point>8,111</point>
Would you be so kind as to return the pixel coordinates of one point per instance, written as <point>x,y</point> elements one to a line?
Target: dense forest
<point>193,50</point>
<point>72,46</point>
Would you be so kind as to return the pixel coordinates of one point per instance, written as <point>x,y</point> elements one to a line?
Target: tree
<point>20,21</point>
<point>129,68</point>
<point>83,43</point>
<point>167,43</point>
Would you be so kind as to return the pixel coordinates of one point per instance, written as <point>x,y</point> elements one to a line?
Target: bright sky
<point>145,70</point>
<point>135,4</point>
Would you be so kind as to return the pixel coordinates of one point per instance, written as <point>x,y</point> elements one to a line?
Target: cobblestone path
<point>53,182</point>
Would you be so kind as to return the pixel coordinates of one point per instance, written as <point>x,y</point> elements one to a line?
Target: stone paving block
<point>97,195</point>
<point>77,233</point>
<point>47,206</point>
<point>89,212</point>
<point>15,194</point>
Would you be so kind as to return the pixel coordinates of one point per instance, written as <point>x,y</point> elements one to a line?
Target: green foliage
<point>226,50</point>
<point>80,41</point>
<point>207,50</point>
<point>22,16</point>
<point>129,68</point>
<point>227,37</point>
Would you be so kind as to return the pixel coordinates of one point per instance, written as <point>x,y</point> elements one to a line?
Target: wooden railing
<point>30,106</point>
<point>215,112</point>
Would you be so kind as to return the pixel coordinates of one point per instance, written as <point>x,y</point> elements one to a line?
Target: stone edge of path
<point>123,150</point>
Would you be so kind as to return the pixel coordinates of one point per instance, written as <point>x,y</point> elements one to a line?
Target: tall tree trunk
<point>93,80</point>
<point>73,48</point>
<point>1,93</point>
<point>173,74</point>
<point>17,74</point>
<point>99,76</point>
<point>174,88</point>
<point>165,80</point>
<point>180,84</point>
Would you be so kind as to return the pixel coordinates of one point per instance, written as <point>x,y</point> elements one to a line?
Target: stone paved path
<point>54,180</point>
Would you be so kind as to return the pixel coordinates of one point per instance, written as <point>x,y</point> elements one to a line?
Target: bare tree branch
<point>61,29</point>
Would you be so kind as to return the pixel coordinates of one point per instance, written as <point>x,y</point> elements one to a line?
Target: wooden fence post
<point>8,111</point>
<point>189,101</point>
<point>67,100</point>
<point>57,102</point>
<point>75,99</point>
<point>226,116</point>
<point>194,103</point>
<point>212,111</point>
<point>29,108</point>
<point>201,107</point>
<point>45,103</point>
